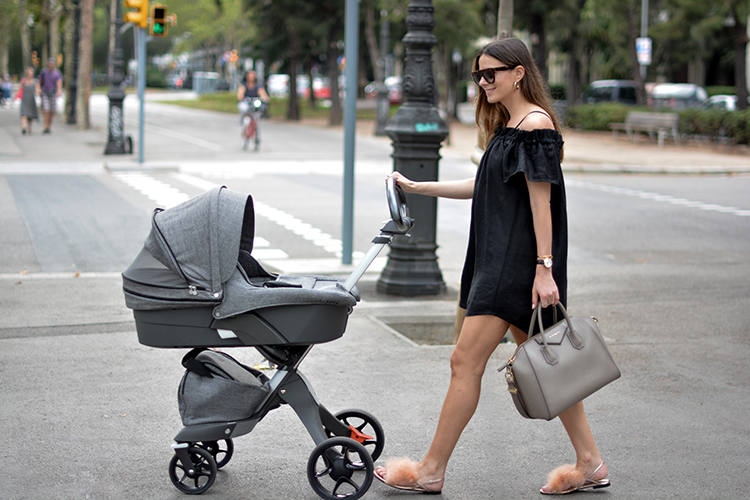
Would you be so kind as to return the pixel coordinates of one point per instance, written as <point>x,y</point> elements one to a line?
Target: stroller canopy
<point>199,254</point>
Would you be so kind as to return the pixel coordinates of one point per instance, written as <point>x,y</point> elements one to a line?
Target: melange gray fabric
<point>234,392</point>
<point>191,259</point>
<point>200,238</point>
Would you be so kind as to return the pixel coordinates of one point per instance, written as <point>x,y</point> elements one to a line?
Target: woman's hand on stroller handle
<point>397,206</point>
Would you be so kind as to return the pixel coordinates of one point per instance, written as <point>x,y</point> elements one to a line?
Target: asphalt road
<point>87,412</point>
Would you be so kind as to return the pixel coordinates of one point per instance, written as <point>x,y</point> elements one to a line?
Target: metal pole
<point>644,32</point>
<point>141,34</point>
<point>351,53</point>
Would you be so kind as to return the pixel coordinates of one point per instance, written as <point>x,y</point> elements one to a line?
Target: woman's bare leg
<point>480,335</point>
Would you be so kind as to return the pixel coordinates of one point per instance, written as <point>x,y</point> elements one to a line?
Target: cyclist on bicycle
<point>252,99</point>
<point>249,89</point>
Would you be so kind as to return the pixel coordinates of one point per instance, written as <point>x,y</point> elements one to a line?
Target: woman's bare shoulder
<point>537,119</point>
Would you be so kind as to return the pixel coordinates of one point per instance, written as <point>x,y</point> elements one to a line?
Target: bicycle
<point>250,110</point>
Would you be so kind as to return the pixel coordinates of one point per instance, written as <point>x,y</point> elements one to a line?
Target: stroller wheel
<point>340,467</point>
<point>196,479</point>
<point>222,454</point>
<point>365,429</point>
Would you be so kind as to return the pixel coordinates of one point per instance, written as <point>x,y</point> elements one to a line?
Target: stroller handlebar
<point>399,225</point>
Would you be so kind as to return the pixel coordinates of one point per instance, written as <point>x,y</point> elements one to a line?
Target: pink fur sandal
<point>401,474</point>
<point>567,479</point>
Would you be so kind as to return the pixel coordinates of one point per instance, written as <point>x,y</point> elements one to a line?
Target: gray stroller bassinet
<point>195,284</point>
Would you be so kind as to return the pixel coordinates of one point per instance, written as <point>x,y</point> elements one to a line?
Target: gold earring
<point>517,86</point>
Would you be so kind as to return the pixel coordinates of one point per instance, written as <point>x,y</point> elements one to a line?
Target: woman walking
<point>29,111</point>
<point>516,260</point>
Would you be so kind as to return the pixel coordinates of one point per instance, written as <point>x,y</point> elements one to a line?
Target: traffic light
<point>159,16</point>
<point>139,16</point>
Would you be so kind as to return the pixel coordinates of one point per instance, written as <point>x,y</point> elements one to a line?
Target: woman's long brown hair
<point>513,52</point>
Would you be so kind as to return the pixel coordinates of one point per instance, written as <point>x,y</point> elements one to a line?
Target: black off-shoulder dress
<point>500,266</point>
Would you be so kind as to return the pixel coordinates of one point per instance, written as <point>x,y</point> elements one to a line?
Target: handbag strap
<point>575,339</point>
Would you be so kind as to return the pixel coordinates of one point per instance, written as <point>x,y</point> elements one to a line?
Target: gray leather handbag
<point>559,367</point>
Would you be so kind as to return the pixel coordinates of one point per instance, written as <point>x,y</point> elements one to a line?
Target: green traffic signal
<point>158,20</point>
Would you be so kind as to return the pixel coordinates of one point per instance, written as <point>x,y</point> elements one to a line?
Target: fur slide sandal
<point>401,473</point>
<point>567,479</point>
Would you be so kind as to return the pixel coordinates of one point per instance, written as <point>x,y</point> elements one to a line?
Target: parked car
<point>722,101</point>
<point>395,90</point>
<point>277,85</point>
<point>322,88</point>
<point>677,96</point>
<point>622,91</point>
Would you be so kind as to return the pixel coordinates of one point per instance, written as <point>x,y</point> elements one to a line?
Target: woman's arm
<point>241,93</point>
<point>459,190</point>
<point>544,289</point>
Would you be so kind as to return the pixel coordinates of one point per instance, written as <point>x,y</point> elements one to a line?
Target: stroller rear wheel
<point>365,429</point>
<point>197,478</point>
<point>222,454</point>
<point>340,467</point>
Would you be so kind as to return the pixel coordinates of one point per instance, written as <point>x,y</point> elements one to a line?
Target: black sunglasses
<point>488,74</point>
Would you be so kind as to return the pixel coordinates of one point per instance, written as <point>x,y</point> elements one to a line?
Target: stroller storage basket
<point>216,388</point>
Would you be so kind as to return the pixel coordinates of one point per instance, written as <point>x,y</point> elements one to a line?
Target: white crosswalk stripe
<point>637,193</point>
<point>167,196</point>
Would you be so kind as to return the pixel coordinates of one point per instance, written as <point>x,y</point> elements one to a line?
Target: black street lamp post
<point>416,131</point>
<point>116,143</point>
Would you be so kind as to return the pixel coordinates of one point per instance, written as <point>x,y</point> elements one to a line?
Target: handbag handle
<point>575,339</point>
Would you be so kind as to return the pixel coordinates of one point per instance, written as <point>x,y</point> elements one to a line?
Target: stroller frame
<point>347,443</point>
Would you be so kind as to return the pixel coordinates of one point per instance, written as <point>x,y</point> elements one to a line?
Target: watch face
<point>547,262</point>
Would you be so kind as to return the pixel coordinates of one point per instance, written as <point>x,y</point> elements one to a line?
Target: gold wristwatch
<point>544,260</point>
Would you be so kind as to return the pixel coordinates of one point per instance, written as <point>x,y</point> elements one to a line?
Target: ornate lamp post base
<point>417,131</point>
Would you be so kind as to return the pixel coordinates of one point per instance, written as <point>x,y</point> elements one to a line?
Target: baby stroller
<point>196,285</point>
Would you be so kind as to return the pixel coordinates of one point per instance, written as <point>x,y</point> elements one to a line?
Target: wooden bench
<point>661,124</point>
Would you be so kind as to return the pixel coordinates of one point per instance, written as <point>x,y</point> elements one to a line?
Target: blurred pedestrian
<point>50,88</point>
<point>27,92</point>
<point>6,88</point>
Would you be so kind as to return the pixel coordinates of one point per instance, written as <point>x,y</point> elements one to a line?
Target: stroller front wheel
<point>365,429</point>
<point>222,454</point>
<point>196,478</point>
<point>340,467</point>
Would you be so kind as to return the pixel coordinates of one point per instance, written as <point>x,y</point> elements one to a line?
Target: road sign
<point>643,50</point>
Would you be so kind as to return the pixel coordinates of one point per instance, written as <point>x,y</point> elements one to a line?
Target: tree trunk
<point>292,112</point>
<point>68,52</point>
<point>25,33</point>
<point>54,32</point>
<point>5,27</point>
<point>573,88</point>
<point>310,76</point>
<point>336,117</point>
<point>740,59</point>
<point>85,60</point>
<point>372,44</point>
<point>539,44</point>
